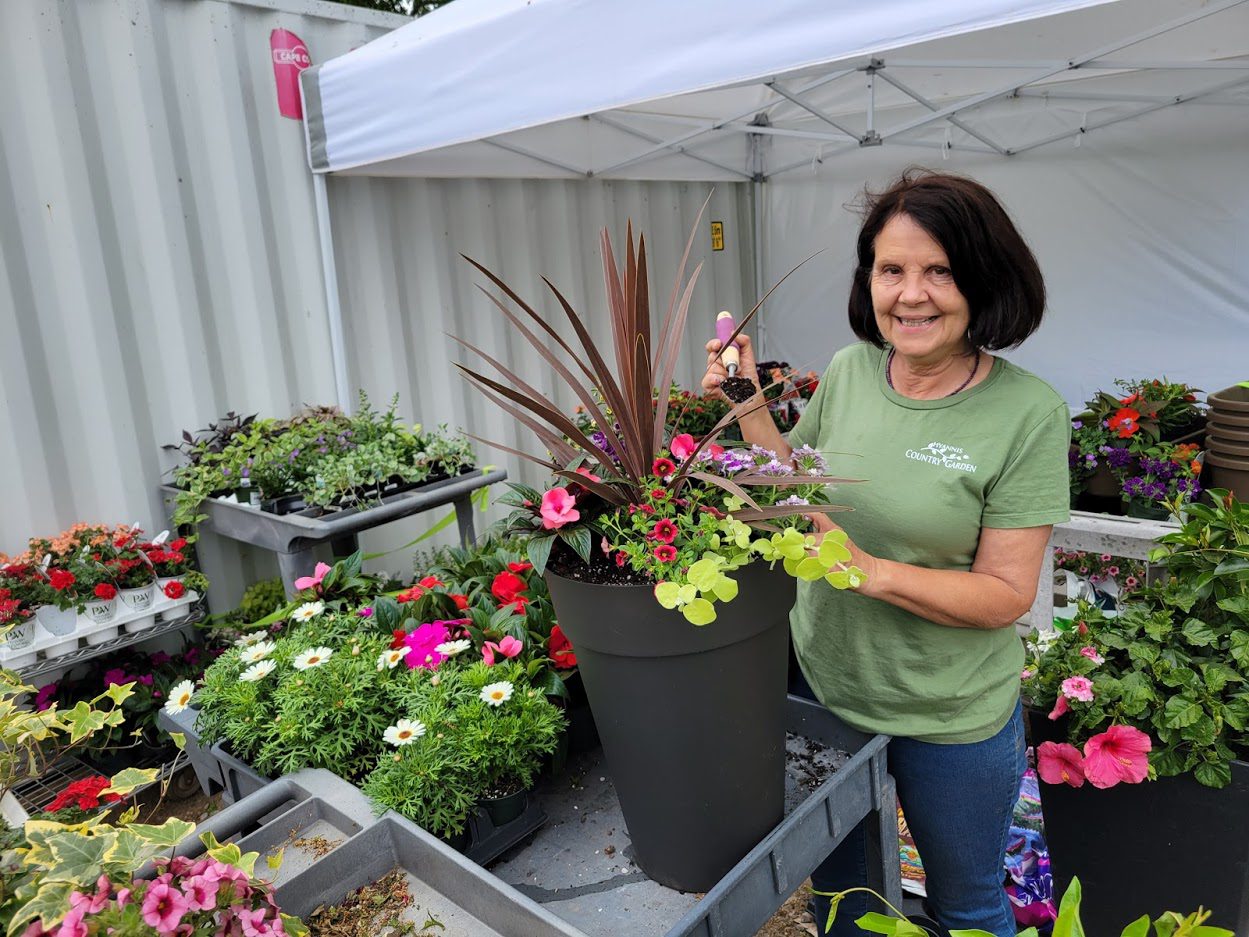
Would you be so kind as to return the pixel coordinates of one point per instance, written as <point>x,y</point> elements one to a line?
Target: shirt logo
<point>943,455</point>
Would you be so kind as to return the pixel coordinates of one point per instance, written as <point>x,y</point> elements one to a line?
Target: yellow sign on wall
<point>717,235</point>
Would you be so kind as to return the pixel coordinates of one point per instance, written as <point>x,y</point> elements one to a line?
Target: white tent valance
<point>730,90</point>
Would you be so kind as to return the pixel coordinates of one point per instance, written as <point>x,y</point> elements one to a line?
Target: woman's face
<point>918,308</point>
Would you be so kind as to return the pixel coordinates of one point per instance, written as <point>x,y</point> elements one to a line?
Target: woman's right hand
<point>716,372</point>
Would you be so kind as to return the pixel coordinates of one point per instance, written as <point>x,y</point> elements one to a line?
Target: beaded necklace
<point>889,375</point>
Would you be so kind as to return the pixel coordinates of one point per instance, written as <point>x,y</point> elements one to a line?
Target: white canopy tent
<point>804,98</point>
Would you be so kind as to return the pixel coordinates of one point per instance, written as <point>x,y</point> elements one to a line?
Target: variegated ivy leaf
<point>167,835</point>
<point>49,905</point>
<point>119,692</point>
<point>125,781</point>
<point>79,858</point>
<point>82,721</point>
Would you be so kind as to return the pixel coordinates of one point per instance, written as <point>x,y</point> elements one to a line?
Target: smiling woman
<point>964,457</point>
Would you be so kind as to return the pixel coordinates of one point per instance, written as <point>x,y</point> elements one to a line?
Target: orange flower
<point>1125,421</point>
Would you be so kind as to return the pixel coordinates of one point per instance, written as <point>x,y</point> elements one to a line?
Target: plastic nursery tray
<point>48,647</point>
<point>219,771</point>
<point>356,848</point>
<point>580,867</point>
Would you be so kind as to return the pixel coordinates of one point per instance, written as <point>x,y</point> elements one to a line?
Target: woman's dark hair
<point>992,266</point>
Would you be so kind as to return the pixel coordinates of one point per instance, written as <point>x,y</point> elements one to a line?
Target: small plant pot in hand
<point>140,599</point>
<point>58,621</point>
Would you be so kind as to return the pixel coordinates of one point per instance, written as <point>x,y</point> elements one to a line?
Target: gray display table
<point>294,537</point>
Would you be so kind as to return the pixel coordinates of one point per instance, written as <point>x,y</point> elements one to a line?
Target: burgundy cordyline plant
<point>615,485</point>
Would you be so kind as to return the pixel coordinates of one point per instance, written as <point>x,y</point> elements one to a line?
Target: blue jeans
<point>958,801</point>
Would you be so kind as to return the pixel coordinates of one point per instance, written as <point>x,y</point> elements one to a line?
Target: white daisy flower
<point>451,648</point>
<point>308,611</point>
<point>313,657</point>
<point>252,637</point>
<point>496,694</point>
<point>388,660</point>
<point>180,697</point>
<point>257,671</point>
<point>257,652</point>
<point>404,732</point>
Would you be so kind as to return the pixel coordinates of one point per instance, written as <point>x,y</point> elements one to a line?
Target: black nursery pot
<point>1165,845</point>
<point>691,718</point>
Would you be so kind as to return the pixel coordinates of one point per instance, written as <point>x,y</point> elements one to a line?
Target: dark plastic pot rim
<point>1234,399</point>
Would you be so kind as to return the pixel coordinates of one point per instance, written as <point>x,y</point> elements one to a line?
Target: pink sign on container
<point>290,57</point>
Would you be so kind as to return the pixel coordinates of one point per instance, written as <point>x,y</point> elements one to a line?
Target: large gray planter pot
<point>692,719</point>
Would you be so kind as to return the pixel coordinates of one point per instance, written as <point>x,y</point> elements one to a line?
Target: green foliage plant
<point>606,476</point>
<point>1067,924</point>
<point>1174,661</point>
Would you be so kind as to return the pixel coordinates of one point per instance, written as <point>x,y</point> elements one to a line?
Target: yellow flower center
<point>497,694</point>
<point>313,660</point>
<point>405,734</point>
<point>184,699</point>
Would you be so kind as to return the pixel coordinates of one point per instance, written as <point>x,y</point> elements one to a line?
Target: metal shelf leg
<point>295,565</point>
<point>464,520</point>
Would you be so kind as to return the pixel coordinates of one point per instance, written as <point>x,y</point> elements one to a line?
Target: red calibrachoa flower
<point>665,553</point>
<point>1125,421</point>
<point>659,494</point>
<point>85,794</point>
<point>560,649</point>
<point>664,531</point>
<point>663,467</point>
<point>506,587</point>
<point>60,579</point>
<point>174,590</point>
<point>105,591</point>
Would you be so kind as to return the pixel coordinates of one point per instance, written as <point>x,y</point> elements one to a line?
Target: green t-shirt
<point>937,471</point>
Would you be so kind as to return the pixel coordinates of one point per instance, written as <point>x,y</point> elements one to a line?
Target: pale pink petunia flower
<point>1091,654</point>
<point>1079,689</point>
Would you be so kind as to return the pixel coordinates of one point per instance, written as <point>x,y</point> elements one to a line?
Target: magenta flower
<point>424,642</point>
<point>163,907</point>
<point>366,612</point>
<point>1091,654</point>
<point>311,582</point>
<point>509,647</point>
<point>1118,755</point>
<point>1060,763</point>
<point>683,446</point>
<point>1079,689</point>
<point>72,925</point>
<point>43,699</point>
<point>115,677</point>
<point>558,508</point>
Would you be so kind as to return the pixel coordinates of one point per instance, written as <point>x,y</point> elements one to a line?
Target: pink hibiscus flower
<point>1120,754</point>
<point>1060,763</point>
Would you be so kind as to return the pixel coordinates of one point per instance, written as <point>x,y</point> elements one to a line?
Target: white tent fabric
<point>737,89</point>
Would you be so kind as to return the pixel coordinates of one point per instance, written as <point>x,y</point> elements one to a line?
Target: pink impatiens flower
<point>311,582</point>
<point>682,446</point>
<point>558,508</point>
<point>1060,763</point>
<point>508,646</point>
<point>163,907</point>
<point>1078,688</point>
<point>424,643</point>
<point>1091,654</point>
<point>1120,754</point>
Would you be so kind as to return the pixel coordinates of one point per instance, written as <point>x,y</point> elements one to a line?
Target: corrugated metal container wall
<point>159,261</point>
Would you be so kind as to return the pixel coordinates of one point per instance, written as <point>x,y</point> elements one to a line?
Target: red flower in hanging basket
<point>1125,421</point>
<point>105,591</point>
<point>174,590</point>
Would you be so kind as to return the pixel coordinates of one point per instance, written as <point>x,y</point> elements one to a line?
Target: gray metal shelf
<point>294,536</point>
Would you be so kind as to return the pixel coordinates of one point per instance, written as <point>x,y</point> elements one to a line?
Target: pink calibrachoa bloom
<point>1060,763</point>
<point>558,508</point>
<point>1078,688</point>
<point>682,446</point>
<point>1060,707</point>
<point>163,907</point>
<point>1091,654</point>
<point>664,531</point>
<point>665,553</point>
<point>508,646</point>
<point>72,925</point>
<point>1026,674</point>
<point>424,642</point>
<point>1120,754</point>
<point>311,582</point>
<point>201,894</point>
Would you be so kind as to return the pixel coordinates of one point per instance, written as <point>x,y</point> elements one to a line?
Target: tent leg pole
<point>759,194</point>
<point>333,308</point>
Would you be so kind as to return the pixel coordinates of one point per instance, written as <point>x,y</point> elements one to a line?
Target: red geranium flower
<point>177,544</point>
<point>519,567</point>
<point>60,579</point>
<point>506,587</point>
<point>665,553</point>
<point>664,530</point>
<point>663,467</point>
<point>461,601</point>
<point>560,649</point>
<point>1128,401</point>
<point>1125,421</point>
<point>174,590</point>
<point>106,591</point>
<point>85,794</point>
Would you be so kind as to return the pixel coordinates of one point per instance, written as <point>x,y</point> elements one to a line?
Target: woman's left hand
<point>865,561</point>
